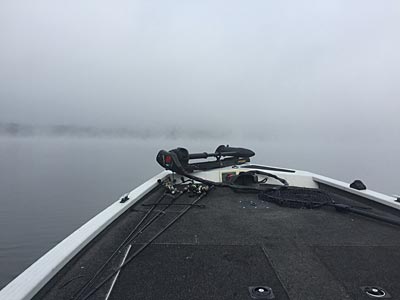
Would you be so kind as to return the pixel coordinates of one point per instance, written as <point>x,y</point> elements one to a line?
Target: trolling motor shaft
<point>224,151</point>
<point>177,160</point>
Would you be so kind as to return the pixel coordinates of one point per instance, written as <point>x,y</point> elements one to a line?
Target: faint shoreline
<point>13,129</point>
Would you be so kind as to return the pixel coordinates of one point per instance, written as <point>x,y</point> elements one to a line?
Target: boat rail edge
<point>368,194</point>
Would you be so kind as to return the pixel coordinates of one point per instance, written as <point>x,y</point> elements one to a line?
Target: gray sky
<point>293,66</point>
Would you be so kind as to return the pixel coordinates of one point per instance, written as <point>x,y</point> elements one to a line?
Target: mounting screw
<point>261,292</point>
<point>375,292</point>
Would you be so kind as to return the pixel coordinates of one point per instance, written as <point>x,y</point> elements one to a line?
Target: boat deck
<point>238,241</point>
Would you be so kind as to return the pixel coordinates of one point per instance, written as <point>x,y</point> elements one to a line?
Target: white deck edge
<point>371,195</point>
<point>28,283</point>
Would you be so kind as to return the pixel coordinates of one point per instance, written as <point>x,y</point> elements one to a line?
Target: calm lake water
<point>51,186</point>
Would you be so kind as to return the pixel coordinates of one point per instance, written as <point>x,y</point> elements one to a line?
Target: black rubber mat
<point>197,272</point>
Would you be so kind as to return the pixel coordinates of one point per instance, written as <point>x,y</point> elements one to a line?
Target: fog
<point>90,91</point>
<point>265,69</point>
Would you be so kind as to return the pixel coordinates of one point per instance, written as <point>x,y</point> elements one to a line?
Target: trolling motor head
<point>177,160</point>
<point>174,160</point>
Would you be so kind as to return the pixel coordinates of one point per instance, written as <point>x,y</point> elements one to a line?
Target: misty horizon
<point>68,130</point>
<point>223,134</point>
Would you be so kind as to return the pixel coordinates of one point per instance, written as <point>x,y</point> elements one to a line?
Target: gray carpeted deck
<point>238,241</point>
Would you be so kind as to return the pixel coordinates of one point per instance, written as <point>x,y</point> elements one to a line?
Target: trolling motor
<point>177,160</point>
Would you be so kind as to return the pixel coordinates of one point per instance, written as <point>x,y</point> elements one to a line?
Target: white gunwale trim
<point>371,195</point>
<point>28,283</point>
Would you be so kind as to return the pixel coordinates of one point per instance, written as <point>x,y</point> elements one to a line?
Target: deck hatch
<point>360,267</point>
<point>197,272</point>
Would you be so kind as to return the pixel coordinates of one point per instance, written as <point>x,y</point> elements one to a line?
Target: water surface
<point>51,186</point>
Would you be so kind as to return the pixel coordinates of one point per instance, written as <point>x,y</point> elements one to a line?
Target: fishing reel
<point>197,189</point>
<point>169,185</point>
